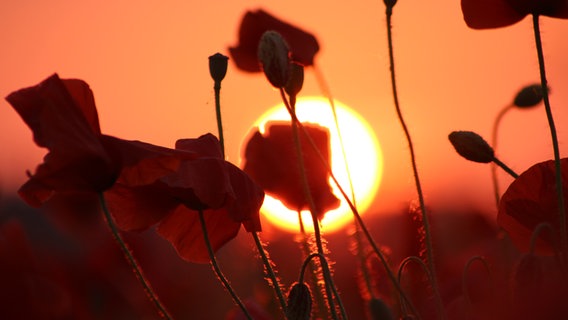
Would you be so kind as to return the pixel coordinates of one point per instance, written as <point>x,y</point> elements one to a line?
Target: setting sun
<point>363,156</point>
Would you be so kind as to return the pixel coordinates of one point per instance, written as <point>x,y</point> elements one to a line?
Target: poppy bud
<point>390,3</point>
<point>529,96</point>
<point>218,66</point>
<point>273,54</point>
<point>379,310</point>
<point>471,146</point>
<point>299,302</point>
<point>295,79</point>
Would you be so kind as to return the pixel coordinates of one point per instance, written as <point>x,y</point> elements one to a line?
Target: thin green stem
<point>559,191</point>
<point>270,271</point>
<point>217,89</point>
<point>505,167</point>
<point>354,210</point>
<point>132,261</point>
<point>216,268</point>
<point>494,141</point>
<point>425,220</point>
<point>313,210</point>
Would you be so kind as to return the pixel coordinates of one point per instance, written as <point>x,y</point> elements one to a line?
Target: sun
<point>363,155</point>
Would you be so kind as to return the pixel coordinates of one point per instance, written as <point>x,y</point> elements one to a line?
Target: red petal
<point>530,200</point>
<point>206,146</point>
<point>303,45</point>
<point>487,14</point>
<point>272,163</point>
<point>248,199</point>
<point>183,229</point>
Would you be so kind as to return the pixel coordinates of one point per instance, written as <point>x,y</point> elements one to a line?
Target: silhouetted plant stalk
<point>217,270</point>
<point>559,191</point>
<point>465,291</point>
<point>218,64</point>
<point>428,235</point>
<point>356,214</point>
<point>494,141</point>
<point>162,311</point>
<point>357,233</point>
<point>401,268</point>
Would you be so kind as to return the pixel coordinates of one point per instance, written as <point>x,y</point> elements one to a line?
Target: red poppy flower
<point>271,161</point>
<point>303,45</point>
<point>531,200</point>
<point>487,14</point>
<point>202,181</point>
<point>63,118</point>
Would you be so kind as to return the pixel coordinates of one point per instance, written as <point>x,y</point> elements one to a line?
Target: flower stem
<point>217,89</point>
<point>505,167</point>
<point>216,268</point>
<point>270,272</point>
<point>425,221</point>
<point>355,212</point>
<point>401,267</point>
<point>494,142</point>
<point>559,191</point>
<point>465,291</point>
<point>317,233</point>
<point>132,261</point>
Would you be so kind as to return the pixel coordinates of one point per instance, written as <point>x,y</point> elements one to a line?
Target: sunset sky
<point>146,62</point>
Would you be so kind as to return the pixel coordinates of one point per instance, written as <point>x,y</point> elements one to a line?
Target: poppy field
<point>112,228</point>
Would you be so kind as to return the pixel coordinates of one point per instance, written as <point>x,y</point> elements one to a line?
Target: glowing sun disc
<point>363,156</point>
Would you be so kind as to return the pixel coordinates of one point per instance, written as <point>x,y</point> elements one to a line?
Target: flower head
<point>271,161</point>
<point>487,14</point>
<point>531,200</point>
<point>303,45</point>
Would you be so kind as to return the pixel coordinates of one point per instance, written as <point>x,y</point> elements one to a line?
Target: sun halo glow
<point>363,155</point>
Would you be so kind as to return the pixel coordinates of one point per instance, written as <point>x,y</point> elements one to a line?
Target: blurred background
<point>147,64</point>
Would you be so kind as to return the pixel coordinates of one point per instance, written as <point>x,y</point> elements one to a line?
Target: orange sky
<point>147,65</point>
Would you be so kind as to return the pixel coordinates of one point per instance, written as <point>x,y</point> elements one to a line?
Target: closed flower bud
<point>379,310</point>
<point>529,96</point>
<point>299,302</point>
<point>273,54</point>
<point>295,79</point>
<point>218,66</point>
<point>471,146</point>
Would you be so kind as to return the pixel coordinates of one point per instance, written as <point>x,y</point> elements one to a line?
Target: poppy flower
<point>271,161</point>
<point>531,200</point>
<point>488,14</point>
<point>202,181</point>
<point>303,45</point>
<point>63,117</point>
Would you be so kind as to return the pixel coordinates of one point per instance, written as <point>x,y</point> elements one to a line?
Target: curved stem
<point>355,212</point>
<point>559,191</point>
<point>270,271</point>
<point>494,141</point>
<point>132,261</point>
<point>418,261</point>
<point>464,278</point>
<point>217,89</point>
<point>306,189</point>
<point>216,268</point>
<point>425,221</point>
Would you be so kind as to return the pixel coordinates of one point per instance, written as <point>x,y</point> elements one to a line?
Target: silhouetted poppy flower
<point>531,200</point>
<point>271,161</point>
<point>487,14</point>
<point>202,181</point>
<point>303,45</point>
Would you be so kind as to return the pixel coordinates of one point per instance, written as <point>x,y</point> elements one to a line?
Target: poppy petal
<point>206,146</point>
<point>245,207</point>
<point>488,14</point>
<point>183,229</point>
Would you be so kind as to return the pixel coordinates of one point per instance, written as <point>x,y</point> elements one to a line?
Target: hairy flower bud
<point>295,79</point>
<point>218,66</point>
<point>273,54</point>
<point>299,302</point>
<point>529,96</point>
<point>379,310</point>
<point>471,146</point>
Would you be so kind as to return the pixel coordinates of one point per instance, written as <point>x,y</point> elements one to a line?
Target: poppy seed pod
<point>299,302</point>
<point>471,146</point>
<point>379,310</point>
<point>218,66</point>
<point>273,54</point>
<point>529,96</point>
<point>295,79</point>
